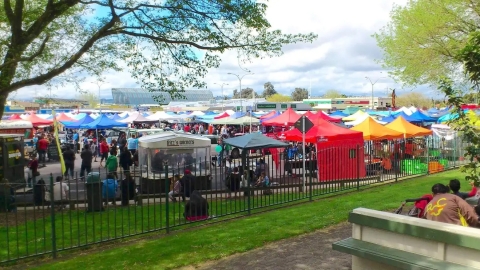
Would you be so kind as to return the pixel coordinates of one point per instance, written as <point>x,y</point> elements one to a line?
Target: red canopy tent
<point>38,121</point>
<point>15,117</point>
<point>287,118</point>
<point>268,115</point>
<point>63,117</point>
<point>340,154</point>
<point>223,115</point>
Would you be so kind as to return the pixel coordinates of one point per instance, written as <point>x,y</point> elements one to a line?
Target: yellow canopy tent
<point>407,129</point>
<point>372,130</point>
<point>354,116</point>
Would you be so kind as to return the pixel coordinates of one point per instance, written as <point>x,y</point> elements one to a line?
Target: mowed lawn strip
<point>223,239</point>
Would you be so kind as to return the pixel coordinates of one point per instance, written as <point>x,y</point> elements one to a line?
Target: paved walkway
<point>310,251</point>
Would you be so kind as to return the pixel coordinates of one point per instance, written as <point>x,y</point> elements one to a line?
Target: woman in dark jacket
<point>234,182</point>
<point>128,189</point>
<point>196,208</point>
<point>39,193</point>
<point>125,160</point>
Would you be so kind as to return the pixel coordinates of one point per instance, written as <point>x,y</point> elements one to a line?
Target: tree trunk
<point>3,101</point>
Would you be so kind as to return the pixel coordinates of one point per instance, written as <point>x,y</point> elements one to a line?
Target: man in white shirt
<point>60,191</point>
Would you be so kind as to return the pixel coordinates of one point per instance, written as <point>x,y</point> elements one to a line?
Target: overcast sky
<point>342,56</point>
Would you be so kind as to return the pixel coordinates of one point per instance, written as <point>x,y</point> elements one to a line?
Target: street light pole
<point>99,85</point>
<point>373,83</point>
<point>223,96</point>
<point>240,82</point>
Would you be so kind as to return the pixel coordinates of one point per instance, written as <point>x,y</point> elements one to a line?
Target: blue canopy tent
<point>85,120</point>
<point>79,116</point>
<point>447,117</point>
<point>103,122</point>
<point>423,117</point>
<point>237,115</point>
<point>339,113</point>
<point>386,119</point>
<point>409,118</point>
<point>277,113</point>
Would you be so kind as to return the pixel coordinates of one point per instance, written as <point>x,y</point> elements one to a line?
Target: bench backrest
<point>442,241</point>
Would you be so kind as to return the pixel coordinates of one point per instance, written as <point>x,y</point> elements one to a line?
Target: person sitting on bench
<point>263,181</point>
<point>449,208</point>
<point>196,208</point>
<point>455,188</point>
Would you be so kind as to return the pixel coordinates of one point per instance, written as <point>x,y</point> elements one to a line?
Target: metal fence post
<point>167,206</point>
<point>52,218</point>
<point>396,161</point>
<point>358,167</point>
<point>310,162</point>
<point>428,155</point>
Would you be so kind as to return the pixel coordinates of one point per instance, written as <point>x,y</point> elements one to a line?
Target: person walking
<point>69,158</point>
<point>104,149</point>
<point>132,144</point>
<point>42,150</point>
<point>86,157</point>
<point>126,160</point>
<point>112,163</point>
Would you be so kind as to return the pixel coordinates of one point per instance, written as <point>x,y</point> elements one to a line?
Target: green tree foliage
<point>279,98</point>
<point>423,37</point>
<point>268,90</point>
<point>299,94</point>
<point>333,94</point>
<point>89,97</point>
<point>246,93</point>
<point>415,99</point>
<point>167,45</point>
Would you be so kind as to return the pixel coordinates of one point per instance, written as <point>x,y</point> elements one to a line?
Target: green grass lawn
<point>222,239</point>
<point>78,228</point>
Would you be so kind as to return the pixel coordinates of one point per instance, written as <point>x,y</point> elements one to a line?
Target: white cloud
<point>340,59</point>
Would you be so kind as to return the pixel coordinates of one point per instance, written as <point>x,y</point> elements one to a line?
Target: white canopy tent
<point>362,118</point>
<point>175,149</point>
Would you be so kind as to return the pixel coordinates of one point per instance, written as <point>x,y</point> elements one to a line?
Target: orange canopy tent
<point>63,117</point>
<point>38,121</point>
<point>372,130</point>
<point>287,118</point>
<point>407,129</point>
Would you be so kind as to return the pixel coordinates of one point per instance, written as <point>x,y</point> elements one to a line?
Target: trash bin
<point>94,192</point>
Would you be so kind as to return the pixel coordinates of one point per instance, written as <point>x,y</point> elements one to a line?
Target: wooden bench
<point>386,241</point>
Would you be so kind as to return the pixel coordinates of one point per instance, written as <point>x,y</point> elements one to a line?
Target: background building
<point>138,96</point>
<point>343,103</point>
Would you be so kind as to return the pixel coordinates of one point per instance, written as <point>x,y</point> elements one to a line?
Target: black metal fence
<point>54,216</point>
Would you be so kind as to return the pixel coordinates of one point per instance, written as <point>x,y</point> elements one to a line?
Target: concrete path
<point>310,251</point>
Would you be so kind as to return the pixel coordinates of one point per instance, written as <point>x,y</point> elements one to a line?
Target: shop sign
<point>175,143</point>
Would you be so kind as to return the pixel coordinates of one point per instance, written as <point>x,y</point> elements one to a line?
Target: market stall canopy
<point>374,131</point>
<point>63,117</point>
<point>246,120</point>
<point>77,124</point>
<point>355,116</point>
<point>103,122</point>
<point>323,131</point>
<point>136,118</point>
<point>79,116</point>
<point>15,117</point>
<point>270,114</point>
<point>37,121</point>
<point>404,110</point>
<point>254,141</point>
<point>237,115</point>
<point>338,114</point>
<point>197,113</point>
<point>15,124</point>
<point>362,119</point>
<point>321,115</point>
<point>407,129</point>
<point>161,116</point>
<point>222,115</point>
<point>423,117</point>
<point>351,110</point>
<point>173,140</point>
<point>287,118</point>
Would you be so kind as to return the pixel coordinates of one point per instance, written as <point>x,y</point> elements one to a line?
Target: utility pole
<point>240,82</point>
